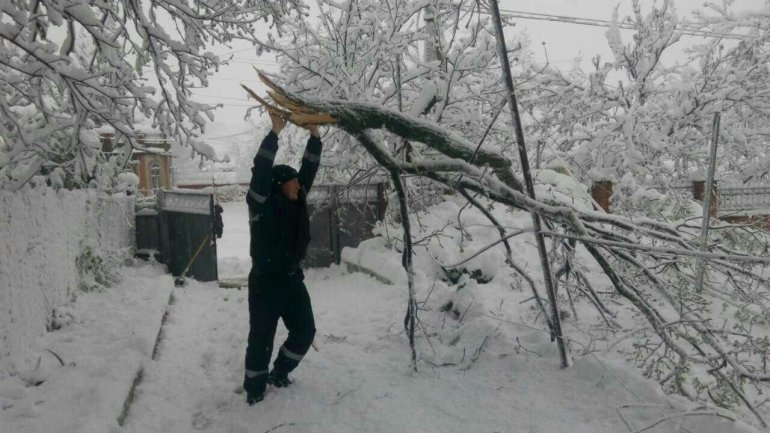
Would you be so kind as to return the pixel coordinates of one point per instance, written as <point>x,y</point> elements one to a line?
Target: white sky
<point>564,41</point>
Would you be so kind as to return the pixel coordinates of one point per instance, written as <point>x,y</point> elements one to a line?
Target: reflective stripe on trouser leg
<point>255,382</point>
<point>301,325</point>
<point>291,355</point>
<point>286,361</point>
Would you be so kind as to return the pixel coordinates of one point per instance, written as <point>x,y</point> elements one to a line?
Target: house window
<point>155,174</point>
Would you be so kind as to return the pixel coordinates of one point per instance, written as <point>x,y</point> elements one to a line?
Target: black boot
<point>253,399</point>
<point>278,379</point>
<point>255,389</point>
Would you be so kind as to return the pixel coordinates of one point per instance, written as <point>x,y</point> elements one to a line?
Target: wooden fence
<point>736,204</point>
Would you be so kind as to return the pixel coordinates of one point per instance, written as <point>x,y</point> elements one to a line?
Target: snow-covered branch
<point>70,68</point>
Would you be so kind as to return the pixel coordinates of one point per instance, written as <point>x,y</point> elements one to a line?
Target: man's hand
<point>279,122</point>
<point>313,130</point>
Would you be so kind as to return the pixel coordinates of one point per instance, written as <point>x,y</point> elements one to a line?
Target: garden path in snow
<point>360,379</point>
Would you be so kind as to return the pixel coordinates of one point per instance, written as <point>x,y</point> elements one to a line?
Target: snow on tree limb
<point>56,90</point>
<point>357,116</point>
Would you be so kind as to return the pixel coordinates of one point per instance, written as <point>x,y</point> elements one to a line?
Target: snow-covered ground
<point>359,379</point>
<point>502,372</point>
<point>233,246</point>
<point>105,339</point>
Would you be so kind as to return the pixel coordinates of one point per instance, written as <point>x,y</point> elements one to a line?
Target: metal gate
<point>187,233</point>
<point>341,216</point>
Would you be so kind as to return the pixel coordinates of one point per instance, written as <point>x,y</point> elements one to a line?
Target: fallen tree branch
<point>622,247</point>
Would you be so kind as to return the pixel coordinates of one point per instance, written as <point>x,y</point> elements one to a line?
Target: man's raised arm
<point>259,187</point>
<point>311,159</point>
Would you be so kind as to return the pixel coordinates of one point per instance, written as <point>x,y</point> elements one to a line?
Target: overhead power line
<point>223,137</point>
<point>261,62</point>
<point>244,99</point>
<point>684,28</point>
<point>237,51</point>
<point>252,61</point>
<point>230,79</point>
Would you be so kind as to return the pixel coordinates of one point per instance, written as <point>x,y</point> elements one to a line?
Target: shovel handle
<point>195,256</point>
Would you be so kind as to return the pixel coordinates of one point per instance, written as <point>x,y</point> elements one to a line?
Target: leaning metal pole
<point>707,199</point>
<point>502,52</point>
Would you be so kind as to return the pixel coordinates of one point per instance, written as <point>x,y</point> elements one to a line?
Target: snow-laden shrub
<point>444,239</point>
<point>750,236</point>
<point>455,302</point>
<point>96,271</point>
<point>230,193</point>
<point>557,184</point>
<point>61,317</point>
<point>127,182</point>
<point>635,200</point>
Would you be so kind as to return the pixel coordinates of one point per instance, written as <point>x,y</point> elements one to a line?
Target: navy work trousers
<point>272,297</point>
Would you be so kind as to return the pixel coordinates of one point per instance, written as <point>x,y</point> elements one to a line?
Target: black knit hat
<point>283,173</point>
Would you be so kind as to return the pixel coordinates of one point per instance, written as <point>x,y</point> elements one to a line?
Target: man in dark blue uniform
<point>280,233</point>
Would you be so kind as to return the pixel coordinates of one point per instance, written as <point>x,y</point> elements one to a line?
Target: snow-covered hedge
<point>54,244</point>
<point>230,193</point>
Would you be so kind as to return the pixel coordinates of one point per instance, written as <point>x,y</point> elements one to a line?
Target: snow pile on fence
<point>54,244</point>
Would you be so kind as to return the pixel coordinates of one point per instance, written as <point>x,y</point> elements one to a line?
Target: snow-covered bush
<point>96,272</point>
<point>630,198</point>
<point>559,186</point>
<point>749,237</point>
<point>61,317</point>
<point>127,182</point>
<point>230,193</point>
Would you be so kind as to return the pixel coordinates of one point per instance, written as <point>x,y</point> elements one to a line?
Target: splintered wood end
<point>303,119</point>
<point>297,113</point>
<point>267,105</point>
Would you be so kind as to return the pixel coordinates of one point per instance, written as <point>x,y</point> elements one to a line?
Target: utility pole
<point>502,53</point>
